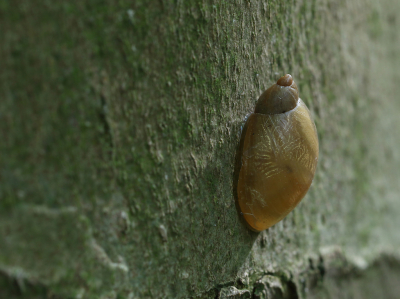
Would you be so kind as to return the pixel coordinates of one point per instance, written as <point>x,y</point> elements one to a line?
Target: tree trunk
<point>120,124</point>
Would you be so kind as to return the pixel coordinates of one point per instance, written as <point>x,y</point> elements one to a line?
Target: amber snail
<point>279,154</point>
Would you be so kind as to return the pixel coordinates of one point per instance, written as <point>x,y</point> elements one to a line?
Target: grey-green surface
<point>119,125</point>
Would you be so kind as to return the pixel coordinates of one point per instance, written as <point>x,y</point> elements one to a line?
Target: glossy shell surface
<point>278,162</point>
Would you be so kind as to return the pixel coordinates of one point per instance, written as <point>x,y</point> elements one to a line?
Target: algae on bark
<point>120,122</point>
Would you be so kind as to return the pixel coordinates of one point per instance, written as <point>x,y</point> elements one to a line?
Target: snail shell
<point>279,149</point>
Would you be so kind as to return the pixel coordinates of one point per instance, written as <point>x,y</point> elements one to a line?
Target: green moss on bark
<point>120,122</point>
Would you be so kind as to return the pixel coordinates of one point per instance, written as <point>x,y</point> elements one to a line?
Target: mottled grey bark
<point>120,122</point>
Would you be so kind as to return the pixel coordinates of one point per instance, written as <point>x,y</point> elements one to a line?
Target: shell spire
<point>279,98</point>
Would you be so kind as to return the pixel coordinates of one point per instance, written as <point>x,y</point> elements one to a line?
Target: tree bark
<point>120,124</point>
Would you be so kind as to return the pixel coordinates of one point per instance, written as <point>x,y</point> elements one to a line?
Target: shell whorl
<point>279,98</point>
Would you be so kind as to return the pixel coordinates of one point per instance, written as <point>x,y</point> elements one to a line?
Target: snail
<point>278,156</point>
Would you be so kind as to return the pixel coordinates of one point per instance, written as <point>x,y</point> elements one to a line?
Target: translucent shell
<point>278,162</point>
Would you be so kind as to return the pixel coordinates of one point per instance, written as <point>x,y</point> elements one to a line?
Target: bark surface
<point>120,122</point>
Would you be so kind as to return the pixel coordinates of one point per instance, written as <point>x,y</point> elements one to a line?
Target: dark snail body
<point>279,156</point>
